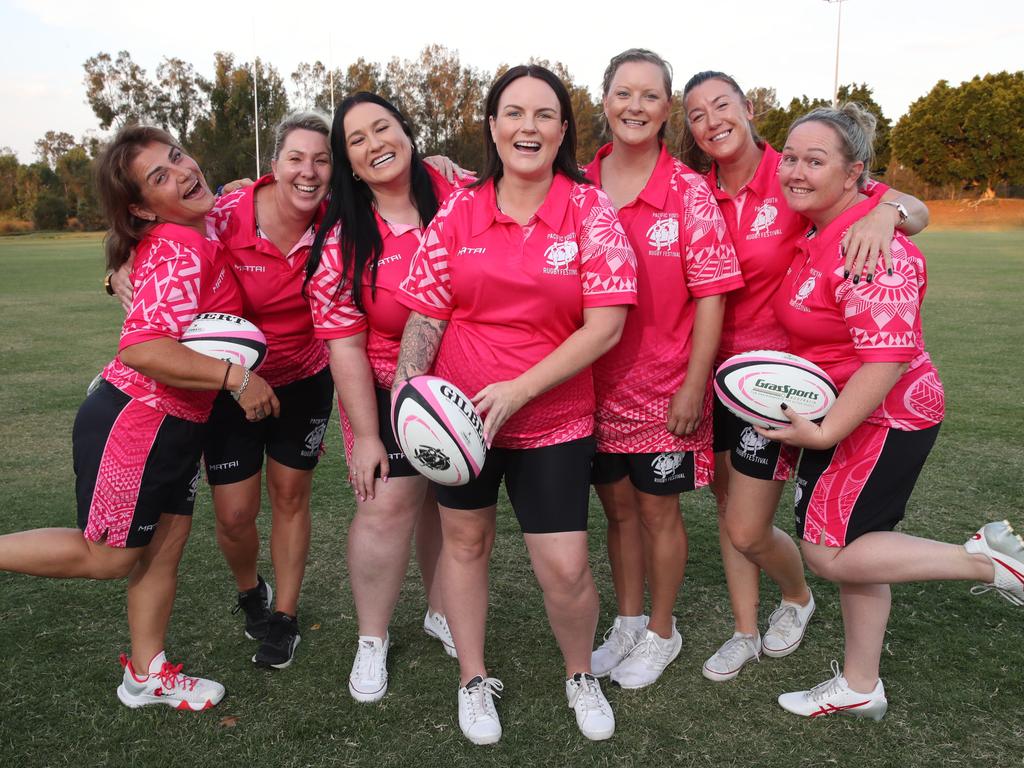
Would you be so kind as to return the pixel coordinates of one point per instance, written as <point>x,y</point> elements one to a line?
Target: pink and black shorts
<point>861,485</point>
<point>133,463</point>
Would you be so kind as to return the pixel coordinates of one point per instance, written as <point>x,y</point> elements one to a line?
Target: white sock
<point>633,623</point>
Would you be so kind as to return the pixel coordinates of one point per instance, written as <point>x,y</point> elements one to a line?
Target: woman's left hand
<point>447,168</point>
<point>868,239</point>
<point>499,402</point>
<point>801,433</point>
<point>685,410</point>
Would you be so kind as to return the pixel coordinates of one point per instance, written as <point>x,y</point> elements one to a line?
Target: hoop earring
<point>354,176</point>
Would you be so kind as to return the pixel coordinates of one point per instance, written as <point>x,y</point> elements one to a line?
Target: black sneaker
<point>256,604</point>
<point>278,648</point>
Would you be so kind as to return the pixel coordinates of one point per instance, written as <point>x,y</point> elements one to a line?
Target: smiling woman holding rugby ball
<point>859,465</point>
<point>521,282</point>
<point>137,436</point>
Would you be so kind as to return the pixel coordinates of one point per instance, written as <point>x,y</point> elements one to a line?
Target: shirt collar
<point>655,191</point>
<point>760,184</point>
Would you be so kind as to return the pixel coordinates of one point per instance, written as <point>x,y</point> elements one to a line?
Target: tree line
<point>955,140</point>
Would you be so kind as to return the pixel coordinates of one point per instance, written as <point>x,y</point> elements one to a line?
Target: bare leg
<point>151,589</point>
<point>289,491</point>
<point>665,552</point>
<point>625,545</point>
<point>64,553</point>
<point>236,506</point>
<point>865,614</point>
<point>378,550</point>
<point>464,565</point>
<point>742,576</point>
<point>570,597</point>
<point>428,550</point>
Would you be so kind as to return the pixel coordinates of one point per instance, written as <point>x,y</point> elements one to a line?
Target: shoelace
<point>483,704</point>
<point>440,625</point>
<point>981,589</point>
<point>783,618</point>
<point>171,677</point>
<point>829,687</point>
<point>733,649</point>
<point>649,647</point>
<point>619,640</point>
<point>589,692</point>
<point>369,660</point>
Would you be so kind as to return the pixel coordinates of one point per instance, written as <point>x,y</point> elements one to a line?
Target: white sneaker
<point>593,712</point>
<point>1005,549</point>
<point>647,660</point>
<point>478,718</point>
<point>436,625</point>
<point>786,628</point>
<point>369,679</point>
<point>165,684</point>
<point>735,653</point>
<point>618,642</point>
<point>834,697</point>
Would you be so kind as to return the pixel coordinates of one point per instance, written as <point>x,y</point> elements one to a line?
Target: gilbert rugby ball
<point>227,337</point>
<point>754,385</point>
<point>439,430</point>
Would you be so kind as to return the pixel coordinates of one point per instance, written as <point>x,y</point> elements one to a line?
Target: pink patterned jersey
<point>335,314</point>
<point>683,253</point>
<point>177,274</point>
<point>513,294</point>
<point>271,288</point>
<point>764,231</point>
<point>841,326</point>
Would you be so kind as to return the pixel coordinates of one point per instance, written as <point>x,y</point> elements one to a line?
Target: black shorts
<point>861,485</point>
<point>133,463</point>
<point>549,487</point>
<point>398,464</point>
<point>749,453</point>
<point>659,474</point>
<point>233,446</point>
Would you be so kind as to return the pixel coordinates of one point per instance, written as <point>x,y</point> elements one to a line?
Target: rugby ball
<point>226,337</point>
<point>754,385</point>
<point>439,430</point>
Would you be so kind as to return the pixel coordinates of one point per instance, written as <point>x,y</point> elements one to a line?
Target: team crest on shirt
<point>752,444</point>
<point>666,466</point>
<point>805,290</point>
<point>315,438</point>
<point>663,234</point>
<point>561,256</point>
<point>764,219</point>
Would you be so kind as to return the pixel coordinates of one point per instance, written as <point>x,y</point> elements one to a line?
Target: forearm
<point>707,333</point>
<point>601,330</point>
<point>353,380</point>
<point>917,211</point>
<point>863,393</point>
<point>420,341</point>
<point>168,362</point>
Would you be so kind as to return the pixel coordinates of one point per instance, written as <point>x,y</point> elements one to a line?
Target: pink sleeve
<point>428,288</point>
<point>883,316</point>
<point>607,261</point>
<point>335,315</point>
<point>709,262</point>
<point>166,279</point>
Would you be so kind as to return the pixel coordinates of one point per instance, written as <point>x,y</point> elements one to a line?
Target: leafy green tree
<point>74,170</point>
<point>50,211</point>
<point>116,89</point>
<point>53,146</point>
<point>180,99</point>
<point>8,181</point>
<point>971,134</point>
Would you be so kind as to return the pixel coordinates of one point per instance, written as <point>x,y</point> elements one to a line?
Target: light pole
<point>839,25</point>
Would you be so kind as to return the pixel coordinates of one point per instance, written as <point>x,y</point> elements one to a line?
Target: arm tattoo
<point>420,342</point>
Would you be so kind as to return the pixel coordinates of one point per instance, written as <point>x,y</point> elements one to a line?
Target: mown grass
<point>953,664</point>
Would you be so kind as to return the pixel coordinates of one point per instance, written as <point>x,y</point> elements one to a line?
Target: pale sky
<point>901,48</point>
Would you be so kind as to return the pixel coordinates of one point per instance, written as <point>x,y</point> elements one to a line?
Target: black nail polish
<point>889,271</point>
<point>846,273</point>
<point>870,278</point>
<point>856,279</point>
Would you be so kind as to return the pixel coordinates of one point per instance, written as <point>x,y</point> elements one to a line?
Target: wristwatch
<point>902,209</point>
<point>106,284</point>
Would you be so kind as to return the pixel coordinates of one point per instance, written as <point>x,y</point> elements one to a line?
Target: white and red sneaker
<point>165,684</point>
<point>1005,549</point>
<point>834,697</point>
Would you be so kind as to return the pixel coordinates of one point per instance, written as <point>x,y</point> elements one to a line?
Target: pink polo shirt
<point>841,326</point>
<point>177,274</point>
<point>513,294</point>
<point>683,253</point>
<point>335,314</point>
<point>271,288</point>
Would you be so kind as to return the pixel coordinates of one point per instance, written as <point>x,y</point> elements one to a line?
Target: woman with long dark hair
<point>521,282</point>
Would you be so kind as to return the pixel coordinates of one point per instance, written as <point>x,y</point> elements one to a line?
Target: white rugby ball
<point>754,385</point>
<point>226,337</point>
<point>439,430</point>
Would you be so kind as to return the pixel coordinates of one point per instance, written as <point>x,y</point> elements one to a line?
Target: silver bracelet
<point>237,394</point>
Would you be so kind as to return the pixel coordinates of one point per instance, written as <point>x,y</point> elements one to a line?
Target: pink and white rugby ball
<point>439,430</point>
<point>754,385</point>
<point>226,337</point>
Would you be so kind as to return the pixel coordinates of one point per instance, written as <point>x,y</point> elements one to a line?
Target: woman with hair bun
<point>859,465</point>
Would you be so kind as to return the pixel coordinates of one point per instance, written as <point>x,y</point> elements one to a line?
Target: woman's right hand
<point>368,453</point>
<point>258,400</point>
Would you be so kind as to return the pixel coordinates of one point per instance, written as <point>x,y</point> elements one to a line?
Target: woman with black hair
<point>520,284</point>
<point>382,195</point>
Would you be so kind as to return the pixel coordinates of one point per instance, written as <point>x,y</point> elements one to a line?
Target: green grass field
<point>953,664</point>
